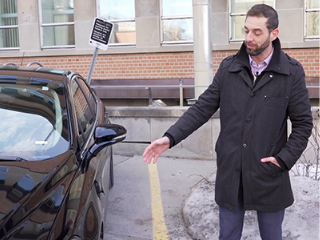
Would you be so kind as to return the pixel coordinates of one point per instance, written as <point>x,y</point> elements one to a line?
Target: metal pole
<point>150,95</point>
<point>181,92</point>
<point>93,62</point>
<point>203,66</point>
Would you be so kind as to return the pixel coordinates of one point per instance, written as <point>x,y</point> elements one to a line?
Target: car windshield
<point>34,123</point>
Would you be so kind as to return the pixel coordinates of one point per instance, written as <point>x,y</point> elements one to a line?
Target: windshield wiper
<point>12,158</point>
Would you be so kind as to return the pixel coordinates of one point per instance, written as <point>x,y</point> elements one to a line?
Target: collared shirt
<point>257,69</point>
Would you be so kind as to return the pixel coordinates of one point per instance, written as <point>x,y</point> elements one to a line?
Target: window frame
<point>83,136</point>
<point>115,21</point>
<point>236,40</point>
<point>180,17</point>
<point>42,25</point>
<point>308,10</point>
<point>11,27</point>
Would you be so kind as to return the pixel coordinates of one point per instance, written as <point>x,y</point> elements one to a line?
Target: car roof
<point>34,74</point>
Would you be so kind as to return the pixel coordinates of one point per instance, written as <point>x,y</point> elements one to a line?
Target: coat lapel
<point>241,65</point>
<point>264,80</point>
<point>278,64</point>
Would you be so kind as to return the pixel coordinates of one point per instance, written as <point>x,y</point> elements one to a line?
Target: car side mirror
<point>106,135</point>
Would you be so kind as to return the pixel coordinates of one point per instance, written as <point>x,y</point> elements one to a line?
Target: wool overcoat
<point>253,125</point>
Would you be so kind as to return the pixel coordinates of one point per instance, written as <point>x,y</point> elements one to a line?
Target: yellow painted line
<point>159,225</point>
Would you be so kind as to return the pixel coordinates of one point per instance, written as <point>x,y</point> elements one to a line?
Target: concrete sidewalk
<point>189,209</point>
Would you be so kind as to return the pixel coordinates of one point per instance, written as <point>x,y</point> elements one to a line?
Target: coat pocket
<point>274,169</point>
<point>275,101</point>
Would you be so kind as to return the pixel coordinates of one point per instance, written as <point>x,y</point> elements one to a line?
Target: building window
<point>9,34</point>
<point>238,10</point>
<point>176,21</point>
<point>122,14</point>
<point>312,19</point>
<point>57,23</point>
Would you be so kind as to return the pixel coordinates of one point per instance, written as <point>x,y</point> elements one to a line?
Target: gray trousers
<point>231,223</point>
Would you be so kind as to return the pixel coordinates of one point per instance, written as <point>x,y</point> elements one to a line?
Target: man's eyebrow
<point>255,29</point>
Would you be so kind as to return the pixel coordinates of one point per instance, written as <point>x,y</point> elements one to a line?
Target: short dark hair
<point>264,10</point>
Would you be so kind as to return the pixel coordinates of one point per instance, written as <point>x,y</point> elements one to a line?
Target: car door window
<point>88,95</point>
<point>85,108</point>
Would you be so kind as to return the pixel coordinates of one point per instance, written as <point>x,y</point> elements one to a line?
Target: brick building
<point>153,42</point>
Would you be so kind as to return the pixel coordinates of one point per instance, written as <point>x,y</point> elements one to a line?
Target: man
<point>257,90</point>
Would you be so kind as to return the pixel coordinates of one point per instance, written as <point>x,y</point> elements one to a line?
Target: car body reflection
<point>55,155</point>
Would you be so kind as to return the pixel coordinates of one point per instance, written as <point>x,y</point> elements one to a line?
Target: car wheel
<point>111,182</point>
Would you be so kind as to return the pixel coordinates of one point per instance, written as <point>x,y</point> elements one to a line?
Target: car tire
<point>111,182</point>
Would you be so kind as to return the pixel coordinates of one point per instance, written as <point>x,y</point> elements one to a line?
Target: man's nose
<point>248,37</point>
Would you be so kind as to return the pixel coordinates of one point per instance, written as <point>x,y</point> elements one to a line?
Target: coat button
<point>252,95</point>
<point>248,120</point>
<point>244,145</point>
<point>237,170</point>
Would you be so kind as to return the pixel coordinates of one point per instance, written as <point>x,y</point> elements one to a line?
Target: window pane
<point>177,30</point>
<point>91,100</point>
<point>313,4</point>
<point>242,6</point>
<point>237,29</point>
<point>123,32</point>
<point>83,112</point>
<point>8,19</point>
<point>8,12</point>
<point>57,11</point>
<point>58,35</point>
<point>117,9</point>
<point>9,38</point>
<point>34,126</point>
<point>171,8</point>
<point>313,24</point>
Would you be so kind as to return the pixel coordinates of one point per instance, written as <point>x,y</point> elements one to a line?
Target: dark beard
<point>256,52</point>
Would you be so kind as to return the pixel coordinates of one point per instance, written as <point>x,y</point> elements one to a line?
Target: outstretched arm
<point>154,150</point>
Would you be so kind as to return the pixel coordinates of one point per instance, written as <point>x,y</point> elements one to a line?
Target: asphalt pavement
<point>146,201</point>
<point>174,200</point>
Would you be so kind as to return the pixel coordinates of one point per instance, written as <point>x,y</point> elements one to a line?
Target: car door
<point>96,171</point>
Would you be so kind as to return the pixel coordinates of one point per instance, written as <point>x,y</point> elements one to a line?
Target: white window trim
<point>306,10</point>
<point>52,25</point>
<point>9,26</point>
<point>230,22</point>
<point>171,18</point>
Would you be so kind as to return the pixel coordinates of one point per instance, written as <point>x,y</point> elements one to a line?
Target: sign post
<point>99,39</point>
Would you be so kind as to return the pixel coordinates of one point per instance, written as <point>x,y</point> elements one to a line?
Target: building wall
<point>153,65</point>
<point>149,58</point>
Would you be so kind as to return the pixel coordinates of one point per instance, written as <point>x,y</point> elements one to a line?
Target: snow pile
<point>301,222</point>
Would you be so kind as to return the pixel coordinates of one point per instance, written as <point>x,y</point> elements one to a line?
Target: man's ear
<point>274,34</point>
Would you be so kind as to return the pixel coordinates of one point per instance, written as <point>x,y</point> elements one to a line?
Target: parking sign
<point>100,33</point>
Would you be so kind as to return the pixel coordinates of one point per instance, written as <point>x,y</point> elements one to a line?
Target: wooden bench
<point>142,88</point>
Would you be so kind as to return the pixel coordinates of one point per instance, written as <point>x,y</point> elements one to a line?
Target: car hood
<point>31,194</point>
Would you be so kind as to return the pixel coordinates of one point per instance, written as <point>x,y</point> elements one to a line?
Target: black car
<point>55,155</point>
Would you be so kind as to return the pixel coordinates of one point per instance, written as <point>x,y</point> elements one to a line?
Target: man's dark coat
<point>253,124</point>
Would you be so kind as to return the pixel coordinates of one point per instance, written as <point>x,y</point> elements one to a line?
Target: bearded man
<point>256,90</point>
